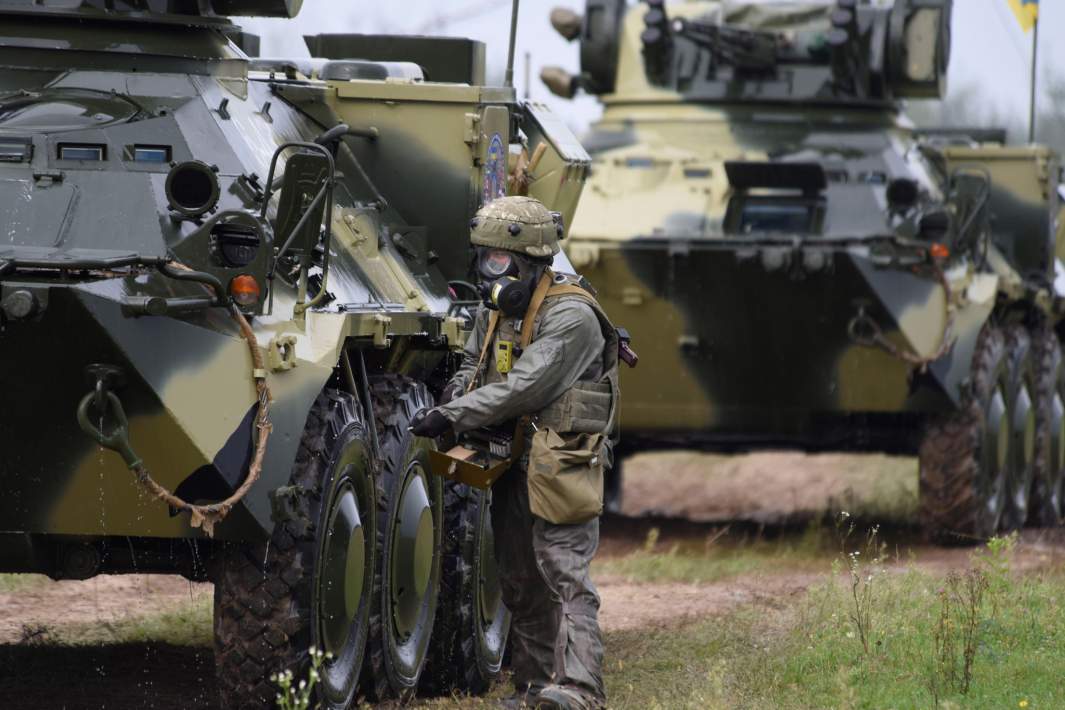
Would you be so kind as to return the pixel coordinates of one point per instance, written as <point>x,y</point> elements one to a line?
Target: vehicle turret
<point>790,52</point>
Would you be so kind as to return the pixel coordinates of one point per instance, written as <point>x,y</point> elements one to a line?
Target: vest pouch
<point>586,408</point>
<point>565,476</point>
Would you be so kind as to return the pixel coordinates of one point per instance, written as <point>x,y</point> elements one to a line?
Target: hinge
<point>472,134</point>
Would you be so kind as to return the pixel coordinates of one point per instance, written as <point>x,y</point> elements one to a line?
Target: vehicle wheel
<point>310,584</point>
<point>964,456</point>
<point>409,526</point>
<point>1022,383</point>
<point>472,624</point>
<point>1048,488</point>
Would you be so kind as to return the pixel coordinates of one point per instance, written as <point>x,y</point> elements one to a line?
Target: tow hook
<point>102,399</point>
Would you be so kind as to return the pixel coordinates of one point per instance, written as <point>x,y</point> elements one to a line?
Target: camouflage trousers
<point>543,570</point>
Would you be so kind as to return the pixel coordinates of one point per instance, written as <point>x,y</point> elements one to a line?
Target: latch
<point>47,177</point>
<point>454,331</point>
<point>472,135</point>
<point>380,331</point>
<point>281,353</point>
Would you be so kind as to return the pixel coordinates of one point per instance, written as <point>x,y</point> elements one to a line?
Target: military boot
<point>520,700</point>
<point>566,697</point>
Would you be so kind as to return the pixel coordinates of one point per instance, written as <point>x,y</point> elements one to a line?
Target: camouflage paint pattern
<point>177,84</point>
<point>747,335</point>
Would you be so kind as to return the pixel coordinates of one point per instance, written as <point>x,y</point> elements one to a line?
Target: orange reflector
<point>939,251</point>
<point>245,290</point>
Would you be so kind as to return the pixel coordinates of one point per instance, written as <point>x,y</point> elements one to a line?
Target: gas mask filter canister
<point>510,295</point>
<point>502,287</point>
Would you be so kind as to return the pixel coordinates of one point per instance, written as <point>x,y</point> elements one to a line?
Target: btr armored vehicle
<point>224,293</point>
<point>802,267</point>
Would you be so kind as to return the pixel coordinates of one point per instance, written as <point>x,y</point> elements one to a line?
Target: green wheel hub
<point>998,433</point>
<point>344,569</point>
<point>413,544</point>
<point>491,593</point>
<point>1024,426</point>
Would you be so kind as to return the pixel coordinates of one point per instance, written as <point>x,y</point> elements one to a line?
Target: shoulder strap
<point>529,321</point>
<point>570,290</point>
<point>493,322</point>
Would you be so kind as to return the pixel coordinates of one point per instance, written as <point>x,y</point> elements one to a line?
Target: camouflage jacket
<point>567,348</point>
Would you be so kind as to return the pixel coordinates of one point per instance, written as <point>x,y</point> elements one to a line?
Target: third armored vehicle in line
<point>802,267</point>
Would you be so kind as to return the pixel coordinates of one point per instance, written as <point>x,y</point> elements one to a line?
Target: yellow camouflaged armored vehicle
<point>224,293</point>
<point>800,267</point>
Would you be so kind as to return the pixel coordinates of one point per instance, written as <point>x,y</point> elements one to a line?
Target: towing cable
<point>200,516</point>
<point>865,331</point>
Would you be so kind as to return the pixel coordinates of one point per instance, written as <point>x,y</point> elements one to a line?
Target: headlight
<point>235,245</point>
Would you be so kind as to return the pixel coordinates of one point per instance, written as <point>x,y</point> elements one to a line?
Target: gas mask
<point>506,280</point>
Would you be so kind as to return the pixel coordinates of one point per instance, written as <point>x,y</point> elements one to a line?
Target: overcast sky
<point>990,50</point>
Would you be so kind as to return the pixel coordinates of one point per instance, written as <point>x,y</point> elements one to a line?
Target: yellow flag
<point>1027,12</point>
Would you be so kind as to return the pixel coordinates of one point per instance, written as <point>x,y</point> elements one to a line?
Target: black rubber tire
<point>467,648</point>
<point>1047,505</point>
<point>1022,385</point>
<point>961,493</point>
<point>395,664</point>
<point>265,605</point>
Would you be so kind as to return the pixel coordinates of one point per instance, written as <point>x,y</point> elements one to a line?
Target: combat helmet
<point>520,224</point>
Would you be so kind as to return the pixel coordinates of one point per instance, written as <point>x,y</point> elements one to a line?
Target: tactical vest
<point>588,407</point>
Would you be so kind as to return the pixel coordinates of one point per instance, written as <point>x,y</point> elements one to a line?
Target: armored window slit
<point>87,152</point>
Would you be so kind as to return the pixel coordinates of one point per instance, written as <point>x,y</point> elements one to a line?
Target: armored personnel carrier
<point>224,287</point>
<point>801,267</point>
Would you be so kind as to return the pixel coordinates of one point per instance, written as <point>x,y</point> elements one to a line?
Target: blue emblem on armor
<point>495,170</point>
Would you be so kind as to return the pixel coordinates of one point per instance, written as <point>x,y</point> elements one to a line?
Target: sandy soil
<point>769,487</point>
<point>628,606</point>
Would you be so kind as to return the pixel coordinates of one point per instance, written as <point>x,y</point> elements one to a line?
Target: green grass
<point>185,624</point>
<point>803,653</point>
<point>10,583</point>
<point>809,655</point>
<point>1020,653</point>
<point>188,624</point>
<point>718,558</point>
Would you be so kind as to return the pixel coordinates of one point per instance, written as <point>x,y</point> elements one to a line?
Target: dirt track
<point>98,673</point>
<point>37,674</point>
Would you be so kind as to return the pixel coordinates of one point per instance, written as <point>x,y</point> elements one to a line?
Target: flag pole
<point>1035,68</point>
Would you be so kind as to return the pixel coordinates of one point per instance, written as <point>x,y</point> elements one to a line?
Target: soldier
<point>542,354</point>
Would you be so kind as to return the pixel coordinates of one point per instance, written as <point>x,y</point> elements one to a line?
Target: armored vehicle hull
<point>799,265</point>
<point>225,293</point>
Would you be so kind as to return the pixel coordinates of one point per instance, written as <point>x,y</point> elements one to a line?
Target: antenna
<point>528,73</point>
<point>508,79</point>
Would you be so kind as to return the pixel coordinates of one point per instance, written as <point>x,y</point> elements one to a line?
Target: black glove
<point>451,392</point>
<point>430,423</point>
